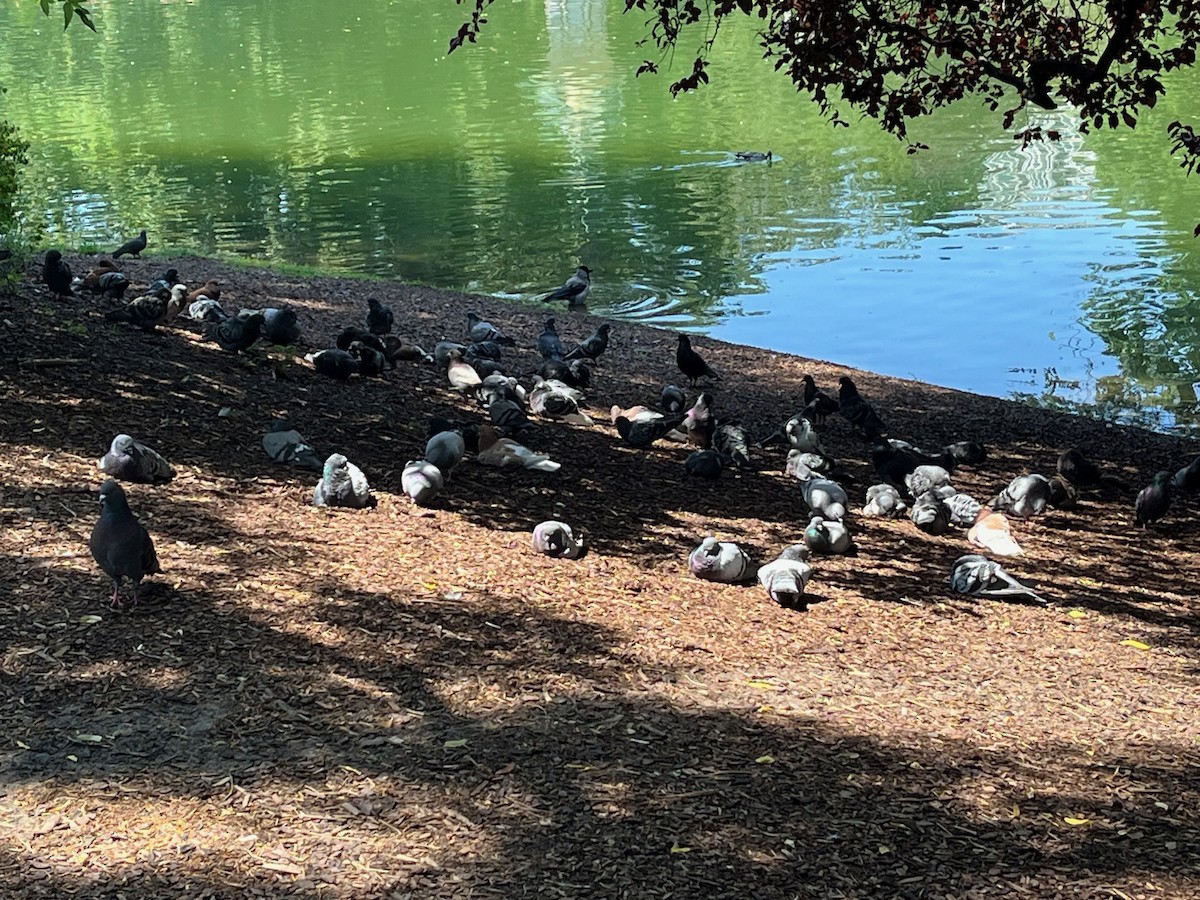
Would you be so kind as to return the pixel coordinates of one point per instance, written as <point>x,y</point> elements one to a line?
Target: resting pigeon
<point>120,543</point>
<point>884,501</point>
<point>825,497</point>
<point>441,351</point>
<point>508,415</point>
<point>823,536</point>
<point>1063,494</point>
<point>342,484</point>
<point>968,453</point>
<point>371,362</point>
<point>558,540</point>
<point>499,387</point>
<point>284,444</point>
<point>802,436</point>
<point>502,452</point>
<point>978,576</point>
<point>704,464</point>
<point>352,333</point>
<point>396,347</point>
<point>56,274</point>
<point>379,317</point>
<point>131,460</point>
<point>236,334</point>
<point>964,510</point>
<point>691,363</point>
<point>930,514</point>
<point>1025,496</point>
<point>993,533</point>
<point>1077,468</point>
<point>210,289</point>
<point>576,373</point>
<point>593,346</point>
<point>1188,478</point>
<point>720,561</point>
<point>924,479</point>
<point>133,246</point>
<point>556,400</point>
<point>1153,500</point>
<point>786,577</point>
<point>575,290</point>
<point>334,363</point>
<point>729,439</point>
<point>699,422</point>
<point>480,330</point>
<point>644,433</point>
<point>672,399</point>
<point>461,375</point>
<point>281,326</point>
<point>164,282</point>
<point>422,481</point>
<point>206,309</point>
<point>857,411</point>
<point>145,312</point>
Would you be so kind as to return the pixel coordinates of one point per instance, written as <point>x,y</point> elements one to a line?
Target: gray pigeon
<point>558,540</point>
<point>930,514</point>
<point>284,444</point>
<point>342,484</point>
<point>206,310</point>
<point>593,346</point>
<point>145,312</point>
<point>281,326</point>
<point>131,460</point>
<point>236,334</point>
<point>720,561</point>
<point>1026,496</point>
<point>729,439</point>
<point>446,450</point>
<point>379,317</point>
<point>120,543</point>
<point>422,481</point>
<point>480,330</point>
<point>963,509</point>
<point>441,352</point>
<point>884,501</point>
<point>978,576</point>
<point>822,536</point>
<point>644,433</point>
<point>1153,500</point>
<point>704,464</point>
<point>825,497</point>
<point>926,478</point>
<point>549,344</point>
<point>133,246</point>
<point>672,399</point>
<point>786,578</point>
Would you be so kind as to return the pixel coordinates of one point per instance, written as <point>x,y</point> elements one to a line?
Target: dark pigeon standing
<point>1153,500</point>
<point>131,460</point>
<point>133,246</point>
<point>818,405</point>
<point>235,333</point>
<point>575,290</point>
<point>120,543</point>
<point>342,484</point>
<point>379,317</point>
<point>691,363</point>
<point>548,343</point>
<point>57,274</point>
<point>593,346</point>
<point>857,411</point>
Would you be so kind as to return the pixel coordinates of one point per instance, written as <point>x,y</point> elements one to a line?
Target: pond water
<point>343,136</point>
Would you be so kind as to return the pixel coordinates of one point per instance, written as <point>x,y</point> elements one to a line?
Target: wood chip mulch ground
<point>408,703</point>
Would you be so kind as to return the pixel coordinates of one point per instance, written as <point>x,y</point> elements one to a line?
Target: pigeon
<point>281,326</point>
<point>206,309</point>
<point>396,347</point>
<point>993,533</point>
<point>120,543</point>
<point>1153,500</point>
<point>644,433</point>
<point>422,481</point>
<point>549,344</point>
<point>1026,496</point>
<point>499,387</point>
<point>691,363</point>
<point>236,334</point>
<point>894,464</point>
<point>445,449</point>
<point>672,399</point>
<point>1077,468</point>
<point>575,290</point>
<point>729,439</point>
<point>824,497</point>
<point>964,510</point>
<point>483,367</point>
<point>508,415</point>
<point>930,514</point>
<point>968,453</point>
<point>145,312</point>
<point>1063,494</point>
<point>462,376</point>
<point>56,274</point>
<point>379,317</point>
<point>826,537</point>
<point>502,452</point>
<point>352,333</point>
<point>802,466</point>
<point>371,362</point>
<point>164,282</point>
<point>131,460</point>
<point>133,247</point>
<point>284,444</point>
<point>704,464</point>
<point>557,539</point>
<point>555,400</point>
<point>699,423</point>
<point>175,302</point>
<point>484,350</point>
<point>720,561</point>
<point>342,484</point>
<point>479,330</point>
<point>593,346</point>
<point>978,576</point>
<point>857,411</point>
<point>334,363</point>
<point>113,285</point>
<point>818,405</point>
<point>210,289</point>
<point>576,373</point>
<point>786,577</point>
<point>441,352</point>
<point>884,501</point>
<point>924,479</point>
<point>633,413</point>
<point>1187,478</point>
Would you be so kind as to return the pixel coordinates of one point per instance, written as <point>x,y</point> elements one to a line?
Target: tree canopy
<point>898,60</point>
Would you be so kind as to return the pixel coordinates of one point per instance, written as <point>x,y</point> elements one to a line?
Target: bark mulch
<point>400,702</point>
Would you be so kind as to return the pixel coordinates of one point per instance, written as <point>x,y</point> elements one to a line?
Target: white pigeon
<point>422,481</point>
<point>557,539</point>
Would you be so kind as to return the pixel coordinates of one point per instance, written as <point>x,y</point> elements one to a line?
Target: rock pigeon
<point>1153,500</point>
<point>489,350</point>
<point>720,561</point>
<point>1077,468</point>
<point>884,501</point>
<point>818,405</point>
<point>924,479</point>
<point>978,576</point>
<point>576,373</point>
<point>827,537</point>
<point>342,484</point>
<point>499,387</point>
<point>644,433</point>
<point>441,352</point>
<point>964,509</point>
<point>1188,478</point>
<point>281,325</point>
<point>206,309</point>
<point>857,411</point>
<point>133,247</point>
<point>508,415</point>
<point>575,290</point>
<point>704,464</point>
<point>334,363</point>
<point>825,497</point>
<point>691,363</point>
<point>593,346</point>
<point>146,312</point>
<point>446,449</point>
<point>175,302</point>
<point>422,481</point>
<point>503,452</point>
<point>556,400</point>
<point>131,460</point>
<point>120,543</point>
<point>371,362</point>
<point>801,435</point>
<point>461,375</point>
<point>968,453</point>
<point>396,347</point>
<point>699,423</point>
<point>352,333</point>
<point>479,330</point>
<point>672,399</point>
<point>113,285</point>
<point>164,282</point>
<point>1063,494</point>
<point>284,444</point>
<point>557,539</point>
<point>56,274</point>
<point>236,334</point>
<point>930,514</point>
<point>729,439</point>
<point>993,533</point>
<point>549,344</point>
<point>379,317</point>
<point>786,577</point>
<point>1025,496</point>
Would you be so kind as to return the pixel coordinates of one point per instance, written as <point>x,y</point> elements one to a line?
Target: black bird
<point>593,346</point>
<point>120,543</point>
<point>484,350</point>
<point>1153,500</point>
<point>857,411</point>
<point>164,282</point>
<point>509,415</point>
<point>379,317</point>
<point>334,363</point>
<point>1187,478</point>
<point>704,464</point>
<point>235,333</point>
<point>133,246</point>
<point>574,374</point>
<point>575,290</point>
<point>818,405</point>
<point>967,453</point>
<point>1077,468</point>
<point>691,363</point>
<point>645,432</point>
<point>548,343</point>
<point>370,361</point>
<point>353,333</point>
<point>57,274</point>
<point>281,325</point>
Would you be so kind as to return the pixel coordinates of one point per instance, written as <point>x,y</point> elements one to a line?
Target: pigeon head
<point>53,256</point>
<point>846,385</point>
<point>334,464</point>
<point>685,341</point>
<point>473,318</point>
<point>122,444</point>
<point>604,328</point>
<point>373,303</point>
<point>112,497</point>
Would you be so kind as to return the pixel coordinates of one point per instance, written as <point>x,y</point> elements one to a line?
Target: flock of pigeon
<point>910,481</point>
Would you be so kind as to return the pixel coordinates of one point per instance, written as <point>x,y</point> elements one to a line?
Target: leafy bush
<point>12,158</point>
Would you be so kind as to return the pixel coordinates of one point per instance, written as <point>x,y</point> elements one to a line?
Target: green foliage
<point>12,157</point>
<point>71,9</point>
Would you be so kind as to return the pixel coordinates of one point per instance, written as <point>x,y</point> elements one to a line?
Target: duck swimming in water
<point>753,156</point>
